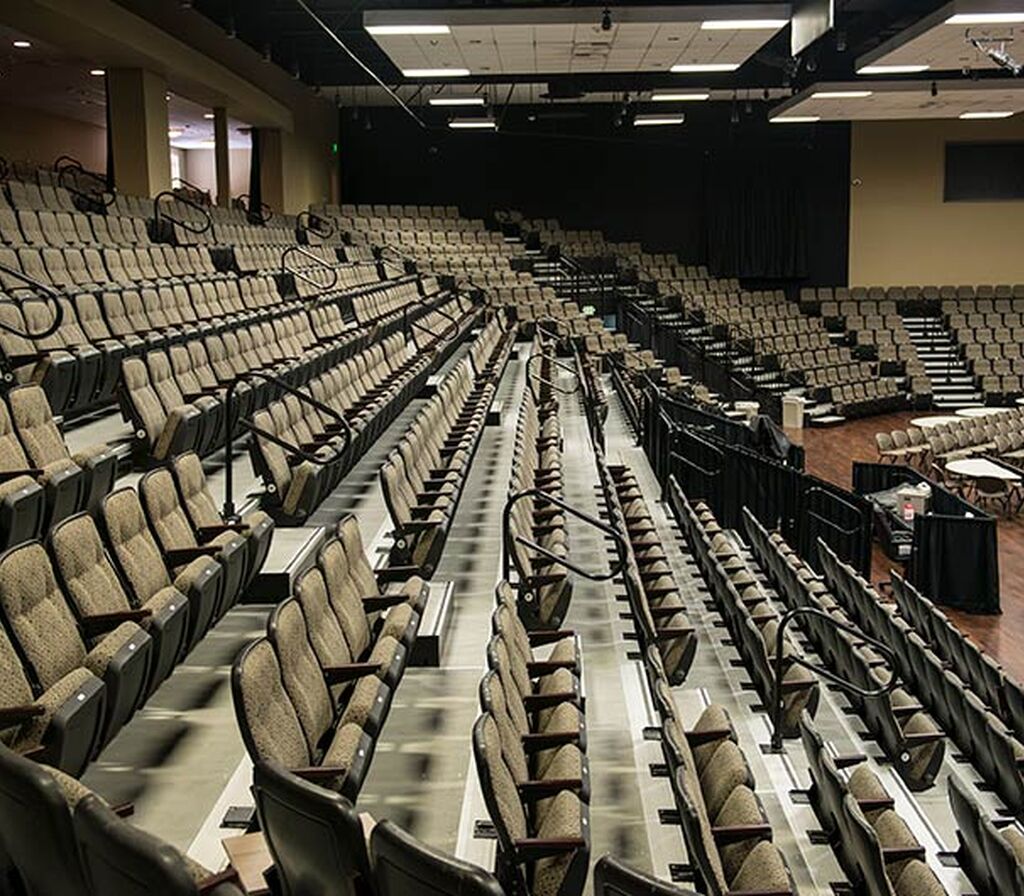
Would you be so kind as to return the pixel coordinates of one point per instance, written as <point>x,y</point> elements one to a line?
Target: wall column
<point>138,131</point>
<point>222,156</point>
<point>272,168</point>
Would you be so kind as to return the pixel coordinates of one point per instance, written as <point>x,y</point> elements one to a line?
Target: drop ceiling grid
<point>945,47</point>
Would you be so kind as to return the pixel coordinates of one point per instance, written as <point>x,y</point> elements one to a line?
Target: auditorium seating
<point>989,848</point>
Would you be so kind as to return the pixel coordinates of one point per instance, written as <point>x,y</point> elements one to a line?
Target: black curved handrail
<point>408,324</point>
<point>318,262</point>
<point>51,296</point>
<point>822,671</point>
<point>192,190</point>
<point>5,169</point>
<point>229,434</point>
<point>65,166</point>
<point>261,216</point>
<point>316,224</point>
<point>537,378</point>
<point>180,222</point>
<point>508,540</point>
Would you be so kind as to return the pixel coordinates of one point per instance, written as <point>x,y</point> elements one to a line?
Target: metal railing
<point>534,377</point>
<point>188,226</point>
<point>68,170</point>
<point>344,427</point>
<point>318,262</point>
<point>260,216</point>
<point>187,190</point>
<point>309,222</point>
<point>510,557</point>
<point>409,324</point>
<point>849,687</point>
<point>52,296</point>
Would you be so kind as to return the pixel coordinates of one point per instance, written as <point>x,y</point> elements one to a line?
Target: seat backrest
<point>314,834</point>
<point>128,535</point>
<point>615,878</point>
<point>36,803</point>
<point>37,614</point>
<point>84,568</point>
<point>120,858</point>
<point>33,418</point>
<point>194,491</point>
<point>402,864</point>
<point>164,511</point>
<point>12,452</point>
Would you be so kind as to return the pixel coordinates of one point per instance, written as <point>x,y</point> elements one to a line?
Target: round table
<point>980,412</point>
<point>926,422</point>
<point>979,468</point>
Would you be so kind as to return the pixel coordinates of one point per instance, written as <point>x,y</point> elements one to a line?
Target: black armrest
<point>707,736</point>
<point>350,672</point>
<point>541,789</point>
<point>545,667</point>
<point>735,833</point>
<point>395,574</point>
<point>104,622</point>
<point>374,602</point>
<point>205,533</point>
<point>533,848</point>
<point>535,702</point>
<point>534,742</point>
<point>548,636</point>
<point>15,715</point>
<point>179,556</point>
<point>14,474</point>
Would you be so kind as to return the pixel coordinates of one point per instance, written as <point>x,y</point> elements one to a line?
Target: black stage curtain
<point>255,180</point>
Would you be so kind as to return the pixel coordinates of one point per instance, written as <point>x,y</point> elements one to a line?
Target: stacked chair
<point>423,477</point>
<point>905,732</point>
<point>749,614</point>
<point>874,844</point>
<point>62,839</point>
<point>312,695</point>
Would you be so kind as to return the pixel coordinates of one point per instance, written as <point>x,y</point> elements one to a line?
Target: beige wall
<point>199,170</point>
<point>31,135</point>
<point>902,233</point>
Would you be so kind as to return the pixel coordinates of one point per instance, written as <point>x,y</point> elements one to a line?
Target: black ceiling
<point>284,32</point>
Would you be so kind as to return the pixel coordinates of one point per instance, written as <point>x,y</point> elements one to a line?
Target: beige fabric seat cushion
<point>187,575</point>
<point>10,486</point>
<point>725,771</point>
<point>31,732</point>
<point>741,808</point>
<point>917,879</point>
<point>563,819</point>
<point>344,751</point>
<point>397,622</point>
<point>763,869</point>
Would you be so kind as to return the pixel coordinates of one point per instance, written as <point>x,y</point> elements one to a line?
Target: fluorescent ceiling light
<point>97,72</point>
<point>679,97</point>
<point>986,18</point>
<point>892,69</point>
<point>22,44</point>
<point>841,95</point>
<point>457,101</point>
<point>209,116</point>
<point>651,120</point>
<point>396,30</point>
<point>973,116</point>
<point>473,123</point>
<point>795,119</point>
<point>684,68</point>
<point>175,132</point>
<point>435,72</point>
<point>744,24</point>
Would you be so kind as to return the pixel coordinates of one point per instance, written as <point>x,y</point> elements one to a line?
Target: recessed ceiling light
<point>457,101</point>
<point>175,132</point>
<point>969,116</point>
<point>841,94</point>
<point>473,123</point>
<point>684,68</point>
<point>23,44</point>
<point>395,30</point>
<point>744,24</point>
<point>892,69</point>
<point>435,72</point>
<point>986,18</point>
<point>209,116</point>
<point>795,119</point>
<point>679,97</point>
<point>97,72</point>
<point>653,120</point>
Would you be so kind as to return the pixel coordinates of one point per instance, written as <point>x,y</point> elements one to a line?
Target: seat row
<point>874,844</point>
<point>904,731</point>
<point>301,450</point>
<point>529,746</point>
<point>655,602</point>
<point>67,228</point>
<point>537,538</point>
<point>96,620</point>
<point>990,850</point>
<point>424,475</point>
<point>749,613</point>
<point>314,692</point>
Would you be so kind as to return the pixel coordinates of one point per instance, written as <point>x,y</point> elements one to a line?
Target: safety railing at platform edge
<point>68,170</point>
<point>161,212</point>
<point>316,263</point>
<point>51,297</point>
<point>308,222</point>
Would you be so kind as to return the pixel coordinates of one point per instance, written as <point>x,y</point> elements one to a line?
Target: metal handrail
<point>264,214</point>
<point>822,671</point>
<point>537,378</point>
<point>317,262</point>
<point>841,500</point>
<point>51,295</point>
<point>198,192</point>
<point>181,222</point>
<point>66,165</point>
<point>315,224</point>
<point>543,497</point>
<point>408,325</point>
<point>229,435</point>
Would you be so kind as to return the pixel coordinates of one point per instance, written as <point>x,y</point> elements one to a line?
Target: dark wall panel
<point>763,202</point>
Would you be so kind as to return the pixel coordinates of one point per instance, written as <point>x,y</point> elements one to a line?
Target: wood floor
<point>830,453</point>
